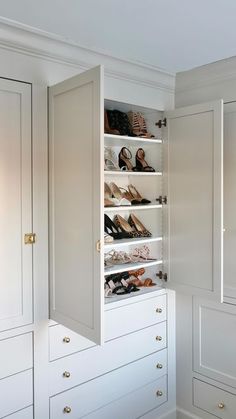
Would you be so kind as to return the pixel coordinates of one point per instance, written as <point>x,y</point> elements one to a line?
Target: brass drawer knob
<point>159,366</point>
<point>66,374</point>
<point>66,339</point>
<point>221,405</point>
<point>159,393</point>
<point>67,409</point>
<point>159,338</point>
<point>159,310</point>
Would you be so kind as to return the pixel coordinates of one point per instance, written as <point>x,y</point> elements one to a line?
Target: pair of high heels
<point>122,229</point>
<point>133,226</point>
<point>125,163</point>
<point>114,196</point>
<point>138,255</point>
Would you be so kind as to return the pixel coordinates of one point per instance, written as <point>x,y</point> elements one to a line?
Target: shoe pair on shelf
<point>120,123</point>
<point>125,163</point>
<point>115,196</point>
<point>138,255</point>
<point>122,229</point>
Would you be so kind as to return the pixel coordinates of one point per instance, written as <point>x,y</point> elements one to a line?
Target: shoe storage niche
<point>133,200</point>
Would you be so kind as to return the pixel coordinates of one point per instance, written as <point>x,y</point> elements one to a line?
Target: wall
<point>203,84</point>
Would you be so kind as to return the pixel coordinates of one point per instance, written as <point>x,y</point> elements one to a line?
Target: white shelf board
<point>129,242</point>
<point>117,139</point>
<point>130,267</point>
<point>130,173</point>
<point>132,207</point>
<point>142,291</point>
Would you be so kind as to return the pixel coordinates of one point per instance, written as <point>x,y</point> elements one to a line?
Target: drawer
<point>134,316</point>
<point>63,342</point>
<point>23,414</point>
<point>16,392</point>
<point>108,388</point>
<point>16,354</point>
<point>86,365</point>
<point>214,400</point>
<point>136,404</point>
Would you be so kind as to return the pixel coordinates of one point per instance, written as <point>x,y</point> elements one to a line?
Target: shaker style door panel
<point>76,113</point>
<point>195,196</point>
<point>15,208</point>
<point>214,340</point>
<point>229,202</point>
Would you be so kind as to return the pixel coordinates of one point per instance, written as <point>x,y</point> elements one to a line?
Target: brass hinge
<point>30,238</point>
<point>162,200</point>
<point>162,275</point>
<point>161,123</point>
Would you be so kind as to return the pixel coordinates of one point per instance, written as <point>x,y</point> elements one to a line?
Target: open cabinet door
<point>76,113</point>
<point>195,197</point>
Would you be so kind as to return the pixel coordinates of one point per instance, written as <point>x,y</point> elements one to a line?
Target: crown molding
<point>207,75</point>
<point>26,40</point>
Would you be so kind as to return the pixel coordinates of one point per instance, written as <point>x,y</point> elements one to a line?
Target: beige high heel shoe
<point>136,195</point>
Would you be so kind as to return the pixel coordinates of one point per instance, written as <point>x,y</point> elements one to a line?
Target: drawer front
<point>134,316</point>
<point>16,354</point>
<point>23,414</point>
<point>86,365</point>
<point>16,392</point>
<point>214,400</point>
<point>95,394</point>
<point>63,342</point>
<point>136,404</point>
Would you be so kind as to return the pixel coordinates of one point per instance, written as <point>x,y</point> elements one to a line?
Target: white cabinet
<point>187,155</point>
<point>16,204</point>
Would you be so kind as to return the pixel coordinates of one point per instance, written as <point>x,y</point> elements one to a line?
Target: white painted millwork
<point>16,207</point>
<point>195,192</point>
<point>23,414</point>
<point>76,126</point>
<point>214,400</point>
<point>16,392</point>
<point>16,354</point>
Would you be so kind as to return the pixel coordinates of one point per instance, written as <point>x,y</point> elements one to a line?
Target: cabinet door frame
<point>25,317</point>
<point>91,327</point>
<point>216,108</point>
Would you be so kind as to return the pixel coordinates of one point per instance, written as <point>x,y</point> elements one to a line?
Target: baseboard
<point>184,414</point>
<point>169,415</point>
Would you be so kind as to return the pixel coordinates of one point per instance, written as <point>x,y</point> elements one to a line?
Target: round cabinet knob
<point>159,338</point>
<point>66,339</point>
<point>66,374</point>
<point>159,310</point>
<point>67,409</point>
<point>221,405</point>
<point>159,366</point>
<point>159,393</point>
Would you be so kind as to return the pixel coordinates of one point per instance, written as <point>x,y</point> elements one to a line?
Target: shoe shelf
<point>132,208</point>
<point>129,242</point>
<point>127,173</point>
<point>118,140</point>
<point>142,291</point>
<point>130,267</point>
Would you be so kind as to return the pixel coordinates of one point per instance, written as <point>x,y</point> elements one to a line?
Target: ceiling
<point>170,34</point>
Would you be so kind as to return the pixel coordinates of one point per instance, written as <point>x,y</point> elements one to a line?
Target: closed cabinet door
<point>16,204</point>
<point>194,215</point>
<point>76,114</point>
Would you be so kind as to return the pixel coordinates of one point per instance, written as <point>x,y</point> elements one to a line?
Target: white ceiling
<point>172,34</point>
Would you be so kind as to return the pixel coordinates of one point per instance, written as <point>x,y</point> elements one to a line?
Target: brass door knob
<point>159,310</point>
<point>67,409</point>
<point>159,338</point>
<point>66,339</point>
<point>66,374</point>
<point>159,393</point>
<point>221,405</point>
<point>159,366</point>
